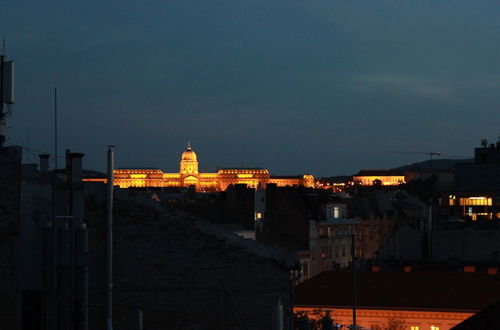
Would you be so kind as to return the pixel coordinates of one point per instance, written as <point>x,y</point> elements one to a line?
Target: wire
<point>31,150</point>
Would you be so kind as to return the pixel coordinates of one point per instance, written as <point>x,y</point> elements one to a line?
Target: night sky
<point>320,87</point>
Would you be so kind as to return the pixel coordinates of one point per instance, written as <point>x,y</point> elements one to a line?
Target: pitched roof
<point>430,290</point>
<point>487,319</point>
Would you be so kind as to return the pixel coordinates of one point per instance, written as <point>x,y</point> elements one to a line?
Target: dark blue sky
<point>325,87</point>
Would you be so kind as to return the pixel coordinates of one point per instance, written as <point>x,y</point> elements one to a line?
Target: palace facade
<point>190,176</point>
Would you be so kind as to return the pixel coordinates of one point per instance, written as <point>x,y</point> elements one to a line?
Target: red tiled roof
<point>412,290</point>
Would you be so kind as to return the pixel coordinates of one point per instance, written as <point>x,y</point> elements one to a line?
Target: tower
<point>189,162</point>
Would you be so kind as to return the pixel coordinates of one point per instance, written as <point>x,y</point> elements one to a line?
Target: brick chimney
<point>44,163</point>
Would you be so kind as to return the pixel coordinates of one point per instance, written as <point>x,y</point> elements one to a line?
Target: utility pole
<point>109,241</point>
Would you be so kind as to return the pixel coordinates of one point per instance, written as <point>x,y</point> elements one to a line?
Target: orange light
<point>138,176</point>
<point>245,175</point>
<point>390,180</point>
<point>189,175</point>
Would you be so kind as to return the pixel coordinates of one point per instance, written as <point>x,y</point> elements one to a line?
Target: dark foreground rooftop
<point>430,290</point>
<point>487,319</point>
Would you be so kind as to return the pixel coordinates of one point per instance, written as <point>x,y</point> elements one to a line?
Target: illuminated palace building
<point>189,176</point>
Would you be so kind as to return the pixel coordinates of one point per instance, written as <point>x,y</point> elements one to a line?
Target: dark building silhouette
<point>483,175</point>
<point>180,271</point>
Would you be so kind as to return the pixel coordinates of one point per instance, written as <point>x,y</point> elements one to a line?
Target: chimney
<point>407,269</point>
<point>375,269</point>
<point>492,271</point>
<point>76,166</point>
<point>80,232</point>
<point>44,163</point>
<point>76,188</point>
<point>469,269</point>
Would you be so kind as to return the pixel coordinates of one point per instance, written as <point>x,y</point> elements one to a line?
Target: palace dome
<point>189,154</point>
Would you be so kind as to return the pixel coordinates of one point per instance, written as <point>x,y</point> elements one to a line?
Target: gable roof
<point>429,290</point>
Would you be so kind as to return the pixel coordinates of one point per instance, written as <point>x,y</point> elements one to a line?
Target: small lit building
<point>477,186</point>
<point>330,240</point>
<point>473,206</point>
<point>481,175</point>
<point>330,244</point>
<point>379,177</point>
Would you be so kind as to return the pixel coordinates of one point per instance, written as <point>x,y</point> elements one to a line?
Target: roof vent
<point>469,269</point>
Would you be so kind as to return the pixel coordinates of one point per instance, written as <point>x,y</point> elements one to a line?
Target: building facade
<point>380,177</point>
<point>189,175</point>
<point>476,196</point>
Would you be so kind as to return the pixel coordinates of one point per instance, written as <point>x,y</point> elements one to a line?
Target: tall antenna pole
<point>109,242</point>
<point>27,145</point>
<point>55,128</point>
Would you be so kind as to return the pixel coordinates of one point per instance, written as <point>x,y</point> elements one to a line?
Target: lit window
<point>476,201</point>
<point>433,327</point>
<point>336,212</point>
<point>305,269</point>
<point>414,327</point>
<point>138,176</point>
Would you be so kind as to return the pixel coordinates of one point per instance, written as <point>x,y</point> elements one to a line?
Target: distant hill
<point>435,164</point>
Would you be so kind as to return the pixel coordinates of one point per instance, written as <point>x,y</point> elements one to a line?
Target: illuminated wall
<point>302,180</point>
<point>389,180</point>
<point>466,201</point>
<point>189,162</point>
<point>373,318</point>
<point>251,177</point>
<point>219,181</point>
<point>475,207</point>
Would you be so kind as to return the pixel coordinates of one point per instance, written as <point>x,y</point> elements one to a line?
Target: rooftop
<point>430,290</point>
